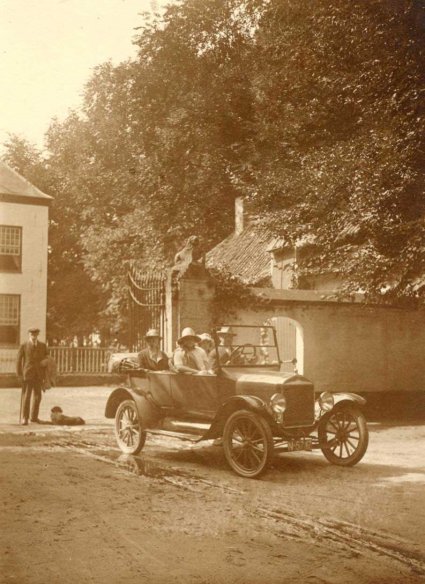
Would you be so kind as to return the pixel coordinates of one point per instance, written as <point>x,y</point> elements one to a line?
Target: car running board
<point>179,435</point>
<point>186,426</point>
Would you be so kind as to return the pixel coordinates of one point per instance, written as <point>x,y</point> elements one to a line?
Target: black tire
<point>343,436</point>
<point>128,428</point>
<point>247,443</point>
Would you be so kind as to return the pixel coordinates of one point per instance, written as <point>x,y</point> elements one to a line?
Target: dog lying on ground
<point>59,419</point>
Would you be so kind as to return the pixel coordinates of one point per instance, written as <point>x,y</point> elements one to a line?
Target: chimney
<point>238,215</point>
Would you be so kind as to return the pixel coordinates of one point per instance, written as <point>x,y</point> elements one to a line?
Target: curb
<point>69,380</point>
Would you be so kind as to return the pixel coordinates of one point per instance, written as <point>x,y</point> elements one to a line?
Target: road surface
<point>75,510</point>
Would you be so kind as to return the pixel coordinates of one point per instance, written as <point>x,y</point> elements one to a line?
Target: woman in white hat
<point>152,358</point>
<point>188,358</point>
<point>206,342</point>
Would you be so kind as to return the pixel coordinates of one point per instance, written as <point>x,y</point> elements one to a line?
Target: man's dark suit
<point>28,366</point>
<point>146,361</point>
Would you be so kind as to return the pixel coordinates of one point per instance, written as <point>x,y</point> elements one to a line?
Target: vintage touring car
<point>253,406</point>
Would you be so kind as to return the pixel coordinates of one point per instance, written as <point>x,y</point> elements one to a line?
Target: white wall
<point>31,284</point>
<point>351,346</point>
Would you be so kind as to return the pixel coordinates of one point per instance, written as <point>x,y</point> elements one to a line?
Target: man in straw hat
<point>152,358</point>
<point>30,368</point>
<point>188,358</point>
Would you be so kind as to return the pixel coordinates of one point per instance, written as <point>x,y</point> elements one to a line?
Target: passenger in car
<point>206,342</point>
<point>188,358</point>
<point>152,358</point>
<point>224,349</point>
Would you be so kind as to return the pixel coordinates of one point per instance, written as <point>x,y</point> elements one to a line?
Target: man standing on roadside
<point>30,368</point>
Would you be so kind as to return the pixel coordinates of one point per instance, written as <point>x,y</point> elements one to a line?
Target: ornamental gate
<point>146,292</point>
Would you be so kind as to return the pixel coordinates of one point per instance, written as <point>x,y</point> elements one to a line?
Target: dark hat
<point>34,330</point>
<point>56,410</point>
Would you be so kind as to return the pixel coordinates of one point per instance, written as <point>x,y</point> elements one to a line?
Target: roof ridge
<point>30,189</point>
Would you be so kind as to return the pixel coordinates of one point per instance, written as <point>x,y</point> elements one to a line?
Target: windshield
<point>247,346</point>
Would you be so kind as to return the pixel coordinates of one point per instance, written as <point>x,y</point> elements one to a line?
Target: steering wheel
<point>240,356</point>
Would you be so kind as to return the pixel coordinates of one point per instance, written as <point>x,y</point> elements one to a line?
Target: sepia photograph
<point>212,291</point>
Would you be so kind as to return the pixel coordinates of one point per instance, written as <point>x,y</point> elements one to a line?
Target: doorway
<point>290,340</point>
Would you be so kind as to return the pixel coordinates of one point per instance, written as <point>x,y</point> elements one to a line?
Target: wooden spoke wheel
<point>248,443</point>
<point>128,429</point>
<point>343,436</point>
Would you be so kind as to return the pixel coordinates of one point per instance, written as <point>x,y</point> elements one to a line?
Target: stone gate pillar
<point>189,297</point>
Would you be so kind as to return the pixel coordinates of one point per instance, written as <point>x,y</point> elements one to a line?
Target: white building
<point>24,213</point>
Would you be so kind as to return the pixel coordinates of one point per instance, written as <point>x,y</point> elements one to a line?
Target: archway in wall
<point>290,340</point>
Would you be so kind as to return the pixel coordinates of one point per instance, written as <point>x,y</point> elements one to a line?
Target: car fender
<point>119,395</point>
<point>340,398</point>
<point>149,413</point>
<point>236,402</point>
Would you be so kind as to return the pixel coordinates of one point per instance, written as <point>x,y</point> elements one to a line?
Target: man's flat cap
<point>34,330</point>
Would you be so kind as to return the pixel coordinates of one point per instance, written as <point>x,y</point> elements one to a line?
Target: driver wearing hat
<point>188,358</point>
<point>224,349</point>
<point>152,358</point>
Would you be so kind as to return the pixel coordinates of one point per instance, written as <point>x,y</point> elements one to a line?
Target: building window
<point>10,248</point>
<point>10,305</point>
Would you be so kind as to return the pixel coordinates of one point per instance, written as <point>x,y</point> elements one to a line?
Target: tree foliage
<point>313,111</point>
<point>342,137</point>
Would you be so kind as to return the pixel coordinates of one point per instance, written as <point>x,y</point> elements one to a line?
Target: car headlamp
<point>278,403</point>
<point>278,406</point>
<point>326,401</point>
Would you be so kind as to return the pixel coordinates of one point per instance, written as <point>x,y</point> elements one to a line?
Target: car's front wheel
<point>128,428</point>
<point>247,443</point>
<point>343,436</point>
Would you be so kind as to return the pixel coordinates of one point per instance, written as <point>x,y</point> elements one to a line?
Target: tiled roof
<point>244,255</point>
<point>12,183</point>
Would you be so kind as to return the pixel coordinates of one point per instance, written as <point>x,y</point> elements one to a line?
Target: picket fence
<point>81,359</point>
<point>84,360</point>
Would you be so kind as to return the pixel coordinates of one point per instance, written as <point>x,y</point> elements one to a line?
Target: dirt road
<point>76,511</point>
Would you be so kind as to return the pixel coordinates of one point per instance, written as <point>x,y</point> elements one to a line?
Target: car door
<point>160,387</point>
<point>195,394</point>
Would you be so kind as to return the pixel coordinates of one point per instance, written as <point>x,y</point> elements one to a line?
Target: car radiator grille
<point>299,404</point>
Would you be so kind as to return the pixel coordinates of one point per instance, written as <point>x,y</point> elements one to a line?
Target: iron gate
<point>146,292</point>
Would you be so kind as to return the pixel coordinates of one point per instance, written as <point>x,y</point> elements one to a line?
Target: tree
<point>145,173</point>
<point>318,123</point>
<point>26,159</point>
<point>340,137</point>
<point>312,111</point>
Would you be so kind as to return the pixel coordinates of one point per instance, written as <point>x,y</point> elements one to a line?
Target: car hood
<point>256,375</point>
<point>261,382</point>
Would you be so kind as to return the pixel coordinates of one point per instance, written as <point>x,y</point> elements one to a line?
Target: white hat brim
<point>194,337</point>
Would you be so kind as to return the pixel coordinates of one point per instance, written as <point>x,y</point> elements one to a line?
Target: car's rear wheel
<point>343,436</point>
<point>128,428</point>
<point>248,443</point>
